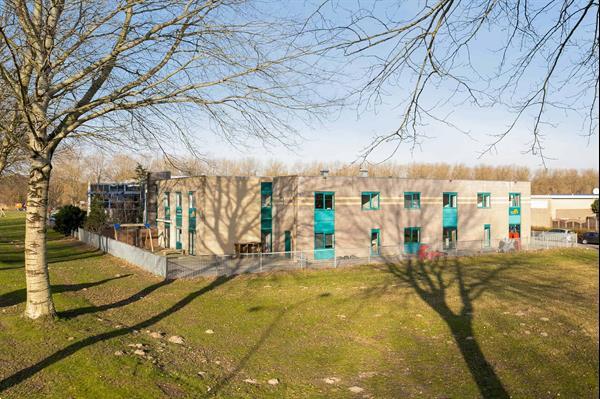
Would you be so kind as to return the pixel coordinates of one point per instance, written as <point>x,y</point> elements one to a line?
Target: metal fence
<point>219,265</point>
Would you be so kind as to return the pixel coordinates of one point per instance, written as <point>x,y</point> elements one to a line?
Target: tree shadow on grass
<point>56,254</point>
<point>431,281</point>
<point>59,355</point>
<point>225,380</point>
<point>19,296</point>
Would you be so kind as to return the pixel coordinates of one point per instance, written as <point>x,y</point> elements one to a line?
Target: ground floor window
<point>449,236</point>
<point>514,231</point>
<point>412,239</point>
<point>192,242</point>
<point>266,241</point>
<point>167,235</point>
<point>487,235</point>
<point>375,241</point>
<point>324,241</point>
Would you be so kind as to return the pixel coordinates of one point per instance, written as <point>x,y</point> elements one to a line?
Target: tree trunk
<point>39,298</point>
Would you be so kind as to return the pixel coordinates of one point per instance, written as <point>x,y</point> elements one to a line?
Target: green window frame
<point>370,200</point>
<point>484,200</point>
<point>487,235</point>
<point>412,235</point>
<point>266,194</point>
<point>167,205</point>
<point>325,200</point>
<point>450,200</point>
<point>514,200</point>
<point>375,241</point>
<point>412,200</point>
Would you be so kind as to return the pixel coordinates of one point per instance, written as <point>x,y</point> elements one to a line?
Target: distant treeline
<point>72,172</point>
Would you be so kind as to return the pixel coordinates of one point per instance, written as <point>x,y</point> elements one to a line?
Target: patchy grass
<point>523,325</point>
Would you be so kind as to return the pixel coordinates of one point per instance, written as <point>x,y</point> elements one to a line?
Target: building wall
<point>353,225</point>
<point>228,212</point>
<point>229,209</point>
<point>546,208</point>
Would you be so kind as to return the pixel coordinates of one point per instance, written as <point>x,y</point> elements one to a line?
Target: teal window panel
<point>412,239</point>
<point>370,200</point>
<point>412,200</point>
<point>450,217</point>
<point>192,224</point>
<point>324,221</point>
<point>266,224</point>
<point>487,235</point>
<point>266,213</point>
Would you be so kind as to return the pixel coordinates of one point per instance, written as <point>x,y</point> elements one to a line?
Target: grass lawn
<point>524,326</point>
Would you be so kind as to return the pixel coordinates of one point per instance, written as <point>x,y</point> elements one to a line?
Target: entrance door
<point>514,231</point>
<point>167,236</point>
<point>178,244</point>
<point>375,241</point>
<point>287,242</point>
<point>450,237</point>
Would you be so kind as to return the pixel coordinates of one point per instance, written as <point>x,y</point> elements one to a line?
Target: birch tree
<point>126,71</point>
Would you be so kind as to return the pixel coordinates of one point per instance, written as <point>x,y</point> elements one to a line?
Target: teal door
<point>412,240</point>
<point>178,244</point>
<point>375,241</point>
<point>288,241</point>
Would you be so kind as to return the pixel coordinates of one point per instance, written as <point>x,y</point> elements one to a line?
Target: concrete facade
<point>548,208</point>
<point>229,211</point>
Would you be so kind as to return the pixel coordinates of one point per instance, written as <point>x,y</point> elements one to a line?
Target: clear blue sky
<point>341,137</point>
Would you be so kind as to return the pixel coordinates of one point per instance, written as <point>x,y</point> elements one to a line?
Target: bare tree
<point>12,154</point>
<point>523,56</point>
<point>133,73</point>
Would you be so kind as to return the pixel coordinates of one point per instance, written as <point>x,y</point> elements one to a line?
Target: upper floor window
<point>166,200</point>
<point>514,199</point>
<point>484,200</point>
<point>369,200</point>
<point>178,200</point>
<point>266,194</point>
<point>412,200</point>
<point>450,200</point>
<point>191,200</point>
<point>324,200</point>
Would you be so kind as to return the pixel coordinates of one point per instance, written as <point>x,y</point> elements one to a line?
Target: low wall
<point>153,263</point>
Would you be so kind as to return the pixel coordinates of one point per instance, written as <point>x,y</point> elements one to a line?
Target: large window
<point>369,201</point>
<point>514,199</point>
<point>412,235</point>
<point>178,200</point>
<point>191,200</point>
<point>484,200</point>
<point>487,235</point>
<point>167,205</point>
<point>449,237</point>
<point>412,200</point>
<point>324,201</point>
<point>450,200</point>
<point>375,241</point>
<point>324,240</point>
<point>192,242</point>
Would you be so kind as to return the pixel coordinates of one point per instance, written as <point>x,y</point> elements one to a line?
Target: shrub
<point>96,220</point>
<point>69,218</point>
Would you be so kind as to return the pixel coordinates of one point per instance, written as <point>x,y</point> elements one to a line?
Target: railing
<point>218,265</point>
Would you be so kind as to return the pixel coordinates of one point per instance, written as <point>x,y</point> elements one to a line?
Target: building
<point>212,215</point>
<point>563,210</point>
<point>123,201</point>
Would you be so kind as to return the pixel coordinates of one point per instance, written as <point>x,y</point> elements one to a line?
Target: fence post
<point>369,258</point>
<point>334,259</point>
<point>260,261</point>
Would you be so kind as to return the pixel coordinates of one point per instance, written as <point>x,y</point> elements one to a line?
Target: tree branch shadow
<point>431,281</point>
<point>59,355</point>
<point>19,296</point>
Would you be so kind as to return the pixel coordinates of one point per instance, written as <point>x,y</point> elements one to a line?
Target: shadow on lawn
<point>224,381</point>
<point>19,296</point>
<point>431,280</point>
<point>57,252</point>
<point>28,372</point>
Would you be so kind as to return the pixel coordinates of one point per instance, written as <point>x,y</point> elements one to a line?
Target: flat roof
<point>564,196</point>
